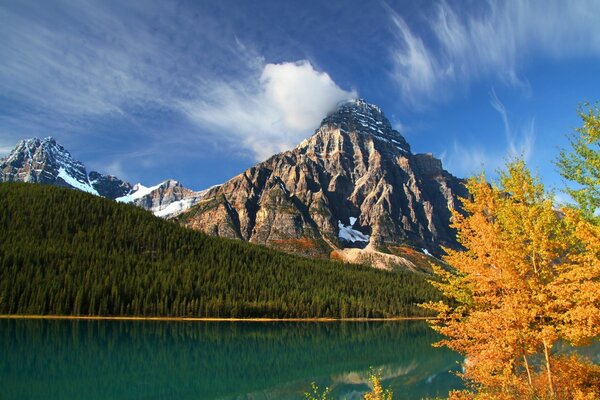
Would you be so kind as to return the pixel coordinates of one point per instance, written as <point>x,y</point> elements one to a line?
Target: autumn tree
<point>377,392</point>
<point>528,276</point>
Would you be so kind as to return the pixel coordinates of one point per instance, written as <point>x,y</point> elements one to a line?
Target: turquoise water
<point>201,360</point>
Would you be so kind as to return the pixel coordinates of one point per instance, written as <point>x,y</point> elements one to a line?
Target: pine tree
<point>581,164</point>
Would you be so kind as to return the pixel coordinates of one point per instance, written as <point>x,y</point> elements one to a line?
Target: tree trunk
<point>527,369</point>
<point>548,370</point>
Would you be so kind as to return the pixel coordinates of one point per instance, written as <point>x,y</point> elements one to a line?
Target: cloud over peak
<point>268,112</point>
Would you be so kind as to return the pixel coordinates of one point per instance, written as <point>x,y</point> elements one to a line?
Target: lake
<point>62,359</point>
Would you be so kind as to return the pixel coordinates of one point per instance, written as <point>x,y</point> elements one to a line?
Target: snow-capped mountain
<point>45,161</point>
<point>353,190</point>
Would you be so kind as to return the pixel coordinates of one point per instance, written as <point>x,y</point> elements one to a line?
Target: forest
<point>65,252</point>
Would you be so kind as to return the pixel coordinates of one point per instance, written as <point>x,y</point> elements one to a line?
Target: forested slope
<point>68,252</point>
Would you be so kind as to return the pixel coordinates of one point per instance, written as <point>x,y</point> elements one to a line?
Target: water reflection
<point>163,360</point>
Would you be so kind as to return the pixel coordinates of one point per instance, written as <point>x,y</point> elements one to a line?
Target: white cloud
<point>92,60</point>
<point>301,94</point>
<point>270,112</point>
<point>490,39</point>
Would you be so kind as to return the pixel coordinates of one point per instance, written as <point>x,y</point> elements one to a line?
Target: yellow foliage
<point>527,277</point>
<point>315,394</point>
<point>377,392</point>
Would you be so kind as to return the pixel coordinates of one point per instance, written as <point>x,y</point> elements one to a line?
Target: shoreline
<point>198,319</point>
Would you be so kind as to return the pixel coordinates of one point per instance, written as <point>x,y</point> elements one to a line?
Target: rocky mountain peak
<point>357,109</point>
<point>44,161</point>
<point>354,185</point>
<point>36,150</point>
<point>358,117</point>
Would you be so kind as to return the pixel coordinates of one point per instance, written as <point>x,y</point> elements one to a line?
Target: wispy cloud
<point>520,143</point>
<point>488,39</point>
<point>271,112</point>
<point>416,69</point>
<point>468,159</point>
<point>90,60</point>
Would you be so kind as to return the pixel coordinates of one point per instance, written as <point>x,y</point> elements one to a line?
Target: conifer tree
<point>581,164</point>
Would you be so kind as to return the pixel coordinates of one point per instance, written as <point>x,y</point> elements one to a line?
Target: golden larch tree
<point>528,276</point>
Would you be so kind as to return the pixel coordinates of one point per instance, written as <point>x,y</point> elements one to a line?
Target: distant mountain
<point>167,199</point>
<point>47,162</point>
<point>353,190</point>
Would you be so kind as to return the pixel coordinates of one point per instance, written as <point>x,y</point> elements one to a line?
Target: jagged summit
<point>45,161</point>
<point>357,109</point>
<point>35,149</point>
<point>360,117</point>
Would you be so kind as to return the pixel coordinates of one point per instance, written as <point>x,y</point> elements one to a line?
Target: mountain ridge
<point>45,161</point>
<point>67,252</point>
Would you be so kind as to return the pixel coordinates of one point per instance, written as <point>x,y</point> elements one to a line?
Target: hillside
<point>69,252</point>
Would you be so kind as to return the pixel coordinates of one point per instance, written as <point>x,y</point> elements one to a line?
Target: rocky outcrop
<point>109,186</point>
<point>353,183</point>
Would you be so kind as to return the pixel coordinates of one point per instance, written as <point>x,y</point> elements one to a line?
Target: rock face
<point>353,184</point>
<point>109,186</point>
<point>45,161</point>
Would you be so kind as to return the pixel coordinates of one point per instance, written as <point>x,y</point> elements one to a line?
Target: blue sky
<point>200,90</point>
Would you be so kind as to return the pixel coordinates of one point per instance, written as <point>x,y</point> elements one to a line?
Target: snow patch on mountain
<point>83,186</point>
<point>349,234</point>
<point>138,192</point>
<point>176,208</point>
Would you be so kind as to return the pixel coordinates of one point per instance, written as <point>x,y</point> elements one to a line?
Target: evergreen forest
<point>65,252</point>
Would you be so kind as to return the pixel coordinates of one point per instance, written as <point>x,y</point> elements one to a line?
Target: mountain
<point>167,199</point>
<point>47,162</point>
<point>353,190</point>
<point>65,252</point>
